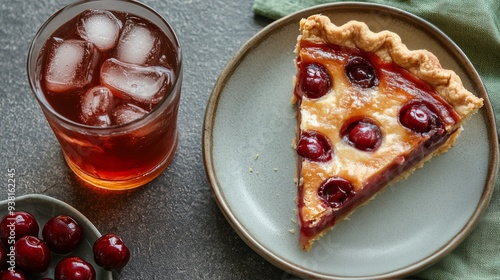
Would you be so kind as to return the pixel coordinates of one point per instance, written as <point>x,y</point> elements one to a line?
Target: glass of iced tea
<point>107,75</point>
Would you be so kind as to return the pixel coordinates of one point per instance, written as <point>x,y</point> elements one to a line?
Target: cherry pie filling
<point>425,117</point>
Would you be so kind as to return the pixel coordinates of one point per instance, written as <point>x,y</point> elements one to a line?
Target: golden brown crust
<point>388,46</point>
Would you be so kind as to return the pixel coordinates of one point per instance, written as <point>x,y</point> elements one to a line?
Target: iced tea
<point>108,81</point>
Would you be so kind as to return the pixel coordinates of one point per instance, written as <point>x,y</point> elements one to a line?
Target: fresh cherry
<point>74,268</point>
<point>314,146</point>
<point>32,255</point>
<point>110,252</point>
<point>361,72</point>
<point>418,117</point>
<point>17,225</point>
<point>361,133</point>
<point>336,191</point>
<point>62,234</point>
<point>313,80</point>
<point>3,258</point>
<point>13,274</point>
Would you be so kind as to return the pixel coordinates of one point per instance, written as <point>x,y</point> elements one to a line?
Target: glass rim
<point>36,91</point>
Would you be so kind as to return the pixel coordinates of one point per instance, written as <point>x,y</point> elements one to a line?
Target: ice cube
<point>140,83</point>
<point>127,113</point>
<point>99,27</point>
<point>70,65</point>
<point>96,105</point>
<point>138,44</point>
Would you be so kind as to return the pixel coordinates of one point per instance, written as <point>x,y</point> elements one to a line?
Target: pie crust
<point>400,151</point>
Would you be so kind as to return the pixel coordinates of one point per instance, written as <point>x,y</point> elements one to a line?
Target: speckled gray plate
<point>248,131</point>
<point>45,207</point>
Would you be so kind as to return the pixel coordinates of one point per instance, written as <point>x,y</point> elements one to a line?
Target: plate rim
<point>248,46</point>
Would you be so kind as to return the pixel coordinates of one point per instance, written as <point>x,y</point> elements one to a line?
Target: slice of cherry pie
<point>370,112</point>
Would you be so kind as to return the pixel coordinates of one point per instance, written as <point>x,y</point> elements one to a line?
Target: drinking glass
<point>121,156</point>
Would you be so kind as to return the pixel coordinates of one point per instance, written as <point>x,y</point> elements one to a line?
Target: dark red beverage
<point>109,84</point>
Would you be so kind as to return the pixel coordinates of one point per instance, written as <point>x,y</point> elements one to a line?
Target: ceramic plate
<point>248,131</point>
<point>43,208</point>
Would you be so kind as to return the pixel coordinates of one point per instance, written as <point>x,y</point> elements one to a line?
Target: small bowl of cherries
<point>44,238</point>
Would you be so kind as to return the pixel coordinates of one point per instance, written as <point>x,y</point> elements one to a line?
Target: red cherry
<point>32,255</point>
<point>313,80</point>
<point>417,117</point>
<point>74,268</point>
<point>365,136</point>
<point>314,146</point>
<point>12,275</point>
<point>17,225</point>
<point>62,234</point>
<point>361,72</point>
<point>3,258</point>
<point>361,133</point>
<point>310,147</point>
<point>336,191</point>
<point>110,252</point>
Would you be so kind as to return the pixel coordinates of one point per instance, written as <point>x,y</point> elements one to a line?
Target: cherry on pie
<point>370,112</point>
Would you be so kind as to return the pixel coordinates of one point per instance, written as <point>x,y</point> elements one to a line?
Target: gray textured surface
<point>173,225</point>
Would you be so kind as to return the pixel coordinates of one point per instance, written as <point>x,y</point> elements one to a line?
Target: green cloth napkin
<point>474,25</point>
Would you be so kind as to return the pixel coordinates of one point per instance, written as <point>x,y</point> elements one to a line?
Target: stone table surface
<point>173,225</point>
